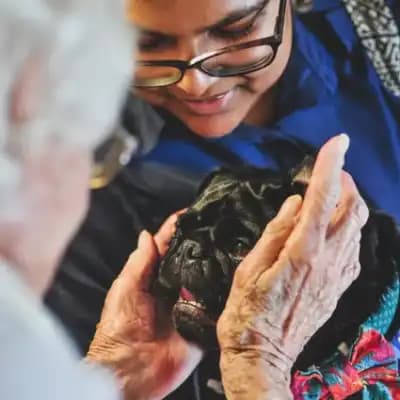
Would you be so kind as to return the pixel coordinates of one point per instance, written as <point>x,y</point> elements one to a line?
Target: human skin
<point>250,98</point>
<point>279,297</point>
<point>289,287</point>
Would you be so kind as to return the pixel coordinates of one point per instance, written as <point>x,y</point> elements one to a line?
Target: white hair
<point>86,51</point>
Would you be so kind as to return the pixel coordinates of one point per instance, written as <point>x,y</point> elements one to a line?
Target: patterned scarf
<point>379,34</point>
<point>368,370</point>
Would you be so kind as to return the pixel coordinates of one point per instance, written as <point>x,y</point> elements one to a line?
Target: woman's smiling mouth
<point>210,105</point>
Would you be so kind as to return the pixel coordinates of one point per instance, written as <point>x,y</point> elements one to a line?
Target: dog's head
<point>212,238</point>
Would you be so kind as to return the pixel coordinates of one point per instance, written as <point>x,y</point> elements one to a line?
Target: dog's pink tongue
<point>186,295</point>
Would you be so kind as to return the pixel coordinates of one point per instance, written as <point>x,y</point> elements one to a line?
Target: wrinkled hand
<point>134,337</point>
<point>289,284</point>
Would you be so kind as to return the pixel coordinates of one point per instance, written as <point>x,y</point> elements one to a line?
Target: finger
<point>138,271</point>
<point>166,231</point>
<point>272,241</point>
<point>347,197</point>
<point>351,269</point>
<point>351,213</point>
<point>349,275</point>
<point>323,192</point>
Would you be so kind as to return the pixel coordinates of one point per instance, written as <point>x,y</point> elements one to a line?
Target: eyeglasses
<point>111,157</point>
<point>239,59</point>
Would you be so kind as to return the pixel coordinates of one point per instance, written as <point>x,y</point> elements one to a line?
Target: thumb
<point>140,267</point>
<point>166,231</point>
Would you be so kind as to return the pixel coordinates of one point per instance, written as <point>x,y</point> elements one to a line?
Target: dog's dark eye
<point>240,247</point>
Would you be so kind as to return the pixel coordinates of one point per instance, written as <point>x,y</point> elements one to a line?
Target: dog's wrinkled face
<point>211,239</point>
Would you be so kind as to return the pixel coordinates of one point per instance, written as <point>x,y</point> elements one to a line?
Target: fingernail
<point>344,142</point>
<point>291,205</point>
<point>142,238</point>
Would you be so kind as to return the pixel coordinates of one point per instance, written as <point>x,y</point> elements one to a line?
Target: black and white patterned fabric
<point>379,34</point>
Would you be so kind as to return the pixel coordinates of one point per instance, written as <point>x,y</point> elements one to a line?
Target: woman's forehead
<point>180,17</point>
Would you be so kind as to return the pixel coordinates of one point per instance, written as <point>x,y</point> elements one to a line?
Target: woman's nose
<point>195,83</point>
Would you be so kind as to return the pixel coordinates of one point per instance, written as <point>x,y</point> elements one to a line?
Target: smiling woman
<point>239,59</point>
<point>222,39</point>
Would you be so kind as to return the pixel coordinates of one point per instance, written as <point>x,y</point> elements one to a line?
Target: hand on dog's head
<point>222,226</point>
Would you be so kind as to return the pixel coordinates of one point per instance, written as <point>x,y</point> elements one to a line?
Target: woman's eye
<point>240,29</point>
<point>233,34</point>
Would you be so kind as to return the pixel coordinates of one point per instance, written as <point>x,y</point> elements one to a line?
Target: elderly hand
<point>134,338</point>
<point>289,284</point>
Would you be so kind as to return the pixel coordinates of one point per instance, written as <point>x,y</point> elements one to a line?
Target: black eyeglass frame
<point>273,41</point>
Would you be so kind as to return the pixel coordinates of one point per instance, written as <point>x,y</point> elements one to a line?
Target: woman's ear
<point>25,91</point>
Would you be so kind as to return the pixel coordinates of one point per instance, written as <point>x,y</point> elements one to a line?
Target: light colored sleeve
<point>37,360</point>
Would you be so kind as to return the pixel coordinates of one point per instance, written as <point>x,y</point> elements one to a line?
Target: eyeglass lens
<point>226,64</point>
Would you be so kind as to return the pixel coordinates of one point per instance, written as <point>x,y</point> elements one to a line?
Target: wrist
<point>254,374</point>
<point>116,356</point>
<point>137,376</point>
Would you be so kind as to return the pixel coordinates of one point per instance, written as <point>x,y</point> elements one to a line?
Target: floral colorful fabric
<point>370,369</point>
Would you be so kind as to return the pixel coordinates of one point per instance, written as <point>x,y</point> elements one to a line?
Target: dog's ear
<point>262,190</point>
<point>302,173</point>
<point>213,188</point>
<point>219,175</point>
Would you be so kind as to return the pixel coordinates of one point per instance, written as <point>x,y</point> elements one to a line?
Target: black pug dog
<point>226,221</point>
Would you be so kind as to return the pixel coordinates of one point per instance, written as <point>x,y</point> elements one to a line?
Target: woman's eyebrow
<point>232,17</point>
<point>150,32</point>
<point>235,16</point>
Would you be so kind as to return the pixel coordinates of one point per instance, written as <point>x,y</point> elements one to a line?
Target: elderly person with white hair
<point>59,98</point>
<point>63,74</point>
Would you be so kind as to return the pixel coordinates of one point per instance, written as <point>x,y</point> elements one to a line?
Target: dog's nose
<point>192,250</point>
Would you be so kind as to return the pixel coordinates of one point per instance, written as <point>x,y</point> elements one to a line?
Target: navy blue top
<point>330,86</point>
